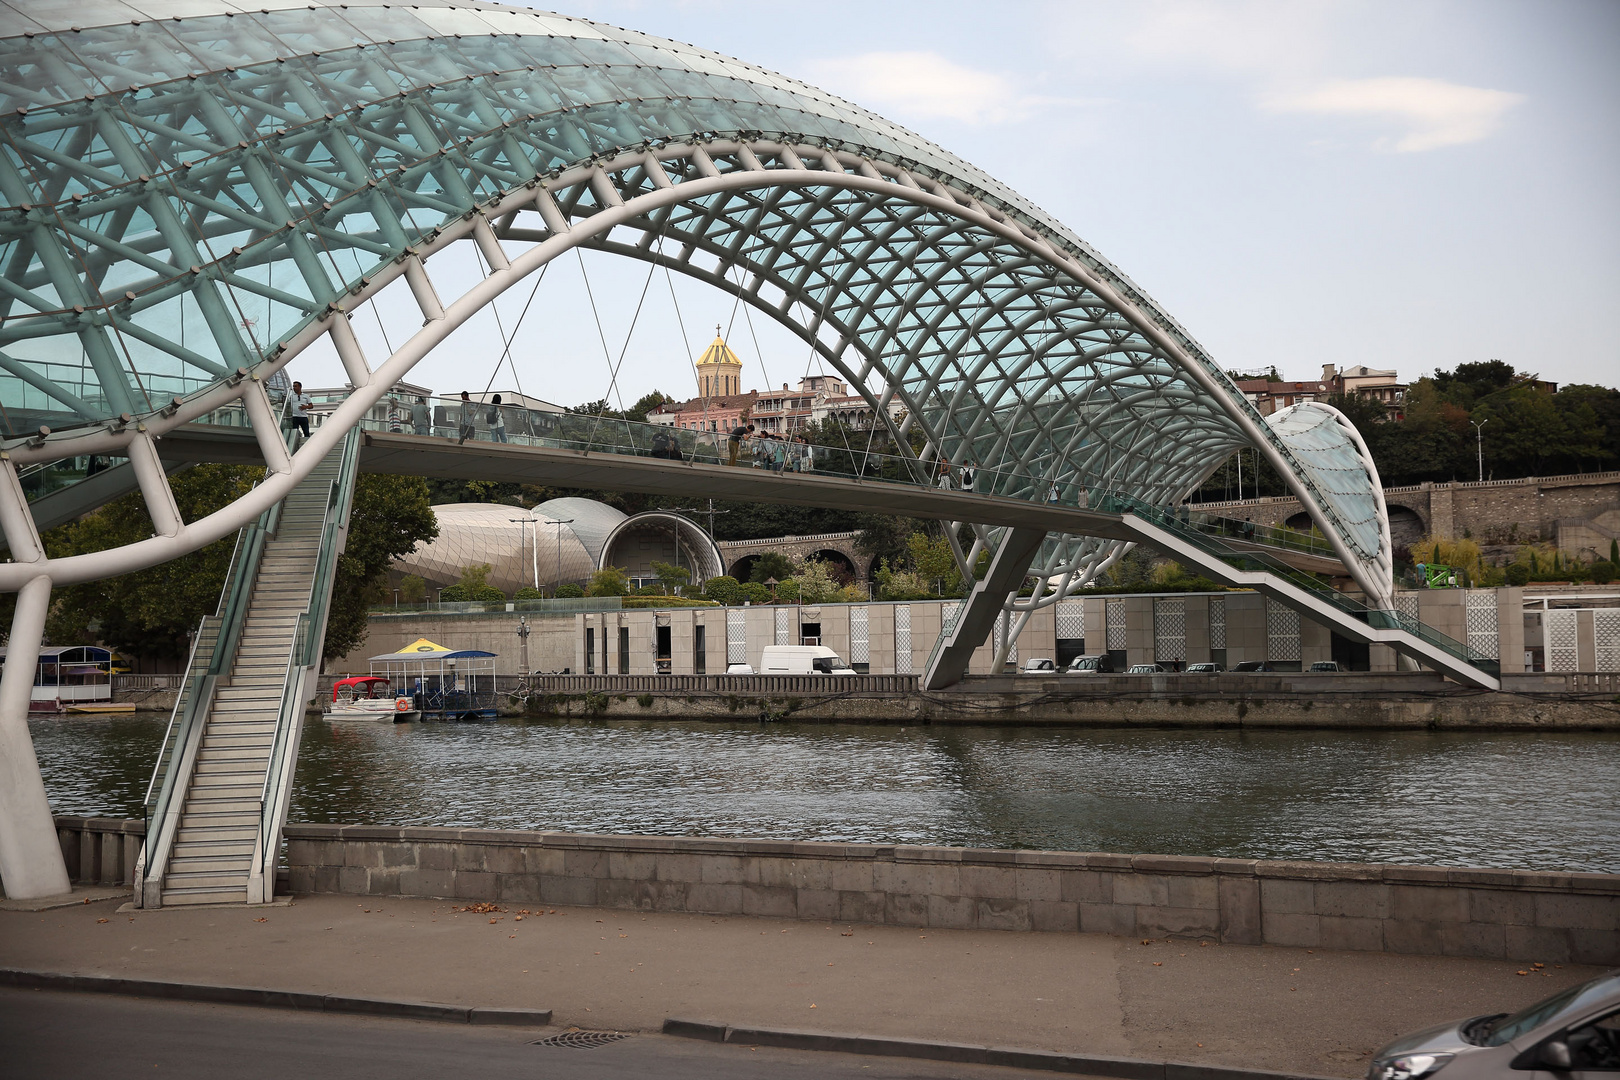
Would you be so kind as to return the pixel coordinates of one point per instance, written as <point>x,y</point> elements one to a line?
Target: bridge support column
<point>983,606</point>
<point>31,863</point>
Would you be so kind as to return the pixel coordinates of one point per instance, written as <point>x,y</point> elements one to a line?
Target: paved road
<point>65,1036</point>
<point>1300,1010</point>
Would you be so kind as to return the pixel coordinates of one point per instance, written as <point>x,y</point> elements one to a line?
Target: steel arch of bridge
<point>1141,421</point>
<point>1003,335</point>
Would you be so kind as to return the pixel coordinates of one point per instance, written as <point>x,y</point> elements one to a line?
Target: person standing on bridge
<point>497,420</point>
<point>421,418</point>
<point>300,408</point>
<point>738,434</point>
<point>466,421</point>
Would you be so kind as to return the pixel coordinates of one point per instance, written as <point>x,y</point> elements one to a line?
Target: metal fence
<point>123,684</point>
<point>724,684</point>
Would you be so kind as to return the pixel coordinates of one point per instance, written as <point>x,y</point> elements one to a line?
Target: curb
<point>969,1054</point>
<point>279,999</point>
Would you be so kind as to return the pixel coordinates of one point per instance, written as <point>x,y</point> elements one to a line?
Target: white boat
<point>367,698</point>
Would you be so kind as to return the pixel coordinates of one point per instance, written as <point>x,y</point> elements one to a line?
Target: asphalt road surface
<point>47,1035</point>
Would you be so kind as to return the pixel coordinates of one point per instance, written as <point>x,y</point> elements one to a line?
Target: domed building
<point>557,542</point>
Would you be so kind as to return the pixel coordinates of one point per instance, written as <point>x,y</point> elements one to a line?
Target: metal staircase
<point>218,796</point>
<point>1201,544</point>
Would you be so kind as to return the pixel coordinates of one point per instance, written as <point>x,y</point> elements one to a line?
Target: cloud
<point>1434,112</point>
<point>925,85</point>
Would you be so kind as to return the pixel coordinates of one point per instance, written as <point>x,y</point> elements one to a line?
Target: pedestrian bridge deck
<point>616,455</point>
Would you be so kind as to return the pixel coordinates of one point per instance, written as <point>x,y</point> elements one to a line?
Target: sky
<point>1405,185</point>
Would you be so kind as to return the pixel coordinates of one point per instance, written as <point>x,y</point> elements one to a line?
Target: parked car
<point>739,669</point>
<point>1326,665</point>
<point>1204,669</point>
<point>1100,664</point>
<point>1253,665</point>
<point>802,660</point>
<point>1575,1033</point>
<point>1145,669</point>
<point>1039,665</point>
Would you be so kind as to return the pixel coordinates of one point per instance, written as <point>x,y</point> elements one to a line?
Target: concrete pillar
<point>925,624</point>
<point>1510,628</point>
<point>680,641</point>
<point>1245,628</point>
<point>1197,629</point>
<point>880,638</point>
<point>642,623</point>
<point>30,855</point>
<point>834,619</point>
<point>1139,642</point>
<point>1040,636</point>
<point>1585,641</point>
<point>761,624</point>
<point>1315,643</point>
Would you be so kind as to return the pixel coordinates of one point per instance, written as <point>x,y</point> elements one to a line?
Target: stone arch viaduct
<point>1580,513</point>
<point>837,547</point>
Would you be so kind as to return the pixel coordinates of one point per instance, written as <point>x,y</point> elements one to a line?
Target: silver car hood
<point>1441,1039</point>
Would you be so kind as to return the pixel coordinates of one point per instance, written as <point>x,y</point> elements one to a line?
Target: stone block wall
<point>1550,917</point>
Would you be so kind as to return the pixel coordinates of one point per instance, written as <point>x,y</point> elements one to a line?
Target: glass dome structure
<point>194,191</point>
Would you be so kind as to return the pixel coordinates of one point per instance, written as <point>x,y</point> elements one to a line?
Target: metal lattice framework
<point>193,199</point>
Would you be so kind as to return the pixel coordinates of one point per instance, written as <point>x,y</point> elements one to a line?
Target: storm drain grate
<point>582,1040</point>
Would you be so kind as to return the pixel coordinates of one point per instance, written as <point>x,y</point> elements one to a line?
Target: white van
<point>802,660</point>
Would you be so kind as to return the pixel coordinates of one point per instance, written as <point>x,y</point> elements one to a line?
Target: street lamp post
<point>559,523</point>
<point>1479,444</point>
<point>536,556</point>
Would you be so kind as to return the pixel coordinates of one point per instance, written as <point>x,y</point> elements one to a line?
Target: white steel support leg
<point>349,351</point>
<point>31,863</point>
<point>160,504</point>
<point>266,427</point>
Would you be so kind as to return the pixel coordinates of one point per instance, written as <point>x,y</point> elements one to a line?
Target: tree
<point>815,582</point>
<point>569,591</point>
<point>528,592</point>
<point>389,517</point>
<point>771,564</point>
<point>935,562</point>
<point>609,581</point>
<point>412,589</point>
<point>474,587</point>
<point>149,612</point>
<point>724,589</point>
<point>672,578</point>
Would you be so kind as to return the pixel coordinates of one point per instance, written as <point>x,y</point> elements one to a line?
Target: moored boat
<point>369,698</point>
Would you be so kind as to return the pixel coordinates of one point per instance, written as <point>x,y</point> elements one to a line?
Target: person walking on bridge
<point>738,434</point>
<point>466,422</point>
<point>300,408</point>
<point>421,418</point>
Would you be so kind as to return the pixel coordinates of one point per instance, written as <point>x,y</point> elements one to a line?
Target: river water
<point>1533,801</point>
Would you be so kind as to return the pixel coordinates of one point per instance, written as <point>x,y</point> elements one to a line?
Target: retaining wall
<point>100,851</point>
<point>1550,917</point>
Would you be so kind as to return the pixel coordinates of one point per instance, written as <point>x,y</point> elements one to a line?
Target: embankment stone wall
<point>1550,917</point>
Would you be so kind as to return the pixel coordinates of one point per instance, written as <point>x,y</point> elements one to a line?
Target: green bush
<point>1518,574</point>
<point>569,591</point>
<point>609,581</point>
<point>756,593</point>
<point>723,590</point>
<point>1603,572</point>
<point>528,592</point>
<point>473,588</point>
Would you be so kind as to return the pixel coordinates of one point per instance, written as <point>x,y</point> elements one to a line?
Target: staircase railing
<point>1171,520</point>
<point>213,653</point>
<point>302,659</point>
